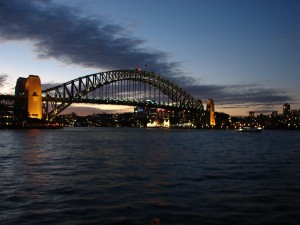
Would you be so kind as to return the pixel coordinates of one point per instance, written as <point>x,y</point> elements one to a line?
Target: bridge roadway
<point>8,100</point>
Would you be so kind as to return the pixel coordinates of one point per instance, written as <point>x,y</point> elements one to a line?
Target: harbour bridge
<point>121,87</point>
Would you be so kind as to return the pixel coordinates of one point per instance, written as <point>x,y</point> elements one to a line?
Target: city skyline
<point>243,55</point>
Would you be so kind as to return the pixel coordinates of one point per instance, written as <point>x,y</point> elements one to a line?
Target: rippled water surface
<point>129,176</point>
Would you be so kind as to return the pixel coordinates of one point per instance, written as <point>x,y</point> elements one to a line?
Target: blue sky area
<point>244,54</point>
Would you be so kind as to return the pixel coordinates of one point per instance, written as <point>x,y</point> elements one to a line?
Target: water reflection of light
<point>32,156</point>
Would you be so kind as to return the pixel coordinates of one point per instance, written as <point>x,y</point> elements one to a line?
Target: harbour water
<point>131,175</point>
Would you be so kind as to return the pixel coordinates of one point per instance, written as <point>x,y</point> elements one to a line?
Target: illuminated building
<point>211,108</point>
<point>33,89</point>
<point>286,109</point>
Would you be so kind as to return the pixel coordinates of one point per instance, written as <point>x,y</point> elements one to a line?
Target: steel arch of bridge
<point>62,96</point>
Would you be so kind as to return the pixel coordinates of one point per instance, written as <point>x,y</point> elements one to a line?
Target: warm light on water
<point>129,176</point>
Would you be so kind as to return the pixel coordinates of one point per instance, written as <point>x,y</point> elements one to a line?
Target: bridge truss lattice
<point>123,87</point>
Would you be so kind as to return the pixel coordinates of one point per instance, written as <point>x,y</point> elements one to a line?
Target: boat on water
<point>249,129</point>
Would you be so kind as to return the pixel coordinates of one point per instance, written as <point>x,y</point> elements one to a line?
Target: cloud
<point>62,33</point>
<point>241,95</point>
<point>3,79</point>
<point>5,84</point>
<point>49,85</point>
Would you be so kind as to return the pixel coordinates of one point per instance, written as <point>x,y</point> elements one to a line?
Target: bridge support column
<point>211,109</point>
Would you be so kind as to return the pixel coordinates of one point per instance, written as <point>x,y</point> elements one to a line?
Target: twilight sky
<point>245,54</point>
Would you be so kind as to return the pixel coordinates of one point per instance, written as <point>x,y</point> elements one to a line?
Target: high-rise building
<point>251,114</point>
<point>286,109</point>
<point>210,107</point>
<point>274,114</point>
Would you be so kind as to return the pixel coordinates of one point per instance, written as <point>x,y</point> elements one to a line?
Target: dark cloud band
<point>241,94</point>
<point>62,33</point>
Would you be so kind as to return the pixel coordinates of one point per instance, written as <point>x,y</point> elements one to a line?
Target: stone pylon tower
<point>28,92</point>
<point>210,107</point>
<point>33,89</point>
<point>20,105</point>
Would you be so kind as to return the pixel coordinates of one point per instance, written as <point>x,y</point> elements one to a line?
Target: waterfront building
<point>6,113</point>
